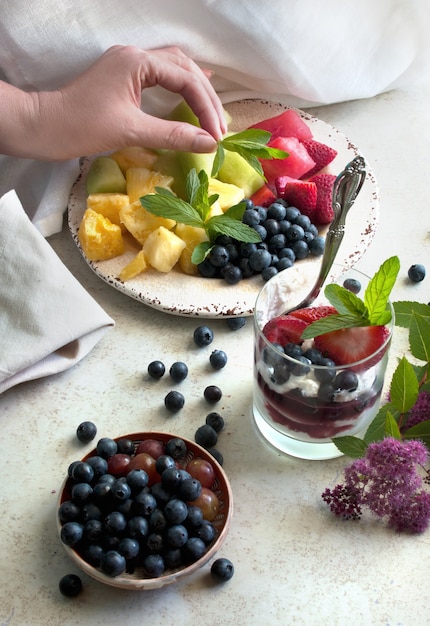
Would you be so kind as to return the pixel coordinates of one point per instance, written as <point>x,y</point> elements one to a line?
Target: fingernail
<point>204,143</point>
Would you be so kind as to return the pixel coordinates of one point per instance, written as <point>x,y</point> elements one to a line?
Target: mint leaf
<point>218,160</point>
<point>391,427</point>
<point>192,185</point>
<point>404,310</point>
<point>419,337</point>
<point>378,291</point>
<point>225,225</point>
<point>404,386</point>
<point>345,302</point>
<point>167,205</point>
<point>331,323</point>
<point>236,211</point>
<point>200,251</point>
<point>350,446</point>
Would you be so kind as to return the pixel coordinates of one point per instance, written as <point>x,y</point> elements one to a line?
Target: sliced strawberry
<point>350,345</point>
<point>324,208</point>
<point>284,329</point>
<point>314,313</point>
<point>263,196</point>
<point>321,153</point>
<point>299,193</point>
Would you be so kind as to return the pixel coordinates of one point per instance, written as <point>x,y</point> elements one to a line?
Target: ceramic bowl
<point>221,522</point>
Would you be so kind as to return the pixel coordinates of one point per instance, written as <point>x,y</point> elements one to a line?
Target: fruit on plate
<point>235,170</point>
<point>141,180</point>
<point>105,176</point>
<point>140,223</point>
<point>162,248</point>
<point>287,124</point>
<point>108,204</point>
<point>228,194</point>
<point>136,266</point>
<point>99,238</point>
<point>192,236</point>
<point>324,209</point>
<point>134,156</point>
<point>296,165</point>
<point>321,153</point>
<point>299,193</point>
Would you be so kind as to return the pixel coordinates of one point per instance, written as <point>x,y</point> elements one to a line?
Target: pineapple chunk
<point>215,210</point>
<point>140,222</point>
<point>229,194</point>
<point>108,204</point>
<point>141,181</point>
<point>136,266</point>
<point>162,249</point>
<point>99,238</point>
<point>134,156</point>
<point>192,237</point>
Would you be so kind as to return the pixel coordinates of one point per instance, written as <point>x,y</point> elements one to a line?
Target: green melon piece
<point>236,171</point>
<point>105,176</point>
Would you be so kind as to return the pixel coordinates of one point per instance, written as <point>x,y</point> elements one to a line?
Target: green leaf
<point>331,323</point>
<point>192,185</point>
<point>419,337</point>
<point>200,251</point>
<point>225,225</point>
<point>404,386</point>
<point>344,301</point>
<point>419,431</point>
<point>376,429</point>
<point>353,447</point>
<point>218,160</point>
<point>391,427</point>
<point>251,145</point>
<point>236,211</point>
<point>169,206</point>
<point>403,311</point>
<point>378,290</point>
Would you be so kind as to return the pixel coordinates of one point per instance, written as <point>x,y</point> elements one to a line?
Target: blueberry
<point>206,436</point>
<point>216,455</point>
<point>295,233</point>
<point>203,336</point>
<point>326,372</point>
<point>137,527</point>
<point>174,401</point>
<point>90,510</point>
<point>70,585</point>
<point>178,371</point>
<point>175,511</point>
<point>231,274</point>
<point>281,372</point>
<point>164,462</point>
<point>276,211</point>
<point>251,217</point>
<point>235,323</point>
<point>326,392</point>
<point>272,227</point>
<point>86,431</point>
<point>314,355</point>
<point>262,212</point>
<point>352,284</point>
<point>68,512</point>
<point>269,272</point>
<point>293,350</point>
<point>218,359</point>
<point>303,221</point>
<point>113,563</point>
<point>161,494</point>
<point>177,535</point>
<point>194,517</point>
<point>245,268</point>
<point>302,368</point>
<point>92,554</point>
<point>417,273</point>
<point>106,447</point>
<point>206,269</point>
<point>284,264</point>
<point>195,548</point>
<point>121,490</point>
<point>171,478</point>
<point>129,548</point>
<point>216,421</point>
<point>316,246</point>
<point>81,492</point>
<point>157,520</point>
<point>346,380</point>
<point>300,249</point>
<point>222,570</point>
<point>93,530</point>
<point>246,249</point>
<point>218,255</point>
<point>115,522</point>
<point>156,369</point>
<point>173,557</point>
<point>125,446</point>
<point>154,565</point>
<point>212,394</point>
<point>144,504</point>
<point>99,465</point>
<point>206,532</point>
<point>190,489</point>
<point>71,533</point>
<point>82,472</point>
<point>176,448</point>
<point>291,213</point>
<point>287,253</point>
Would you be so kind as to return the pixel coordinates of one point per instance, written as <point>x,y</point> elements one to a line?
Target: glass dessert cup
<point>300,409</point>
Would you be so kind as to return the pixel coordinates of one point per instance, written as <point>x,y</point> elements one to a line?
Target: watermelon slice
<point>295,165</point>
<point>286,124</point>
<point>264,196</point>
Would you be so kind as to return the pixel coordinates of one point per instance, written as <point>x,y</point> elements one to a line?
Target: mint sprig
<point>195,213</point>
<point>251,145</point>
<point>352,311</point>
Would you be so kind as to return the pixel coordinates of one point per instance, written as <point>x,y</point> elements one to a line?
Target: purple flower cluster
<point>386,481</point>
<point>420,412</point>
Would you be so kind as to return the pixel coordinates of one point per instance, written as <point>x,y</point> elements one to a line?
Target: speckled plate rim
<point>179,294</point>
<point>222,523</point>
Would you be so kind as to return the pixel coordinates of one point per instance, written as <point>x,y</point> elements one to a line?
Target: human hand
<point>100,109</point>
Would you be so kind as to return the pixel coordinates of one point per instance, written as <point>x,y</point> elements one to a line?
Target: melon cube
<point>99,238</point>
<point>163,248</point>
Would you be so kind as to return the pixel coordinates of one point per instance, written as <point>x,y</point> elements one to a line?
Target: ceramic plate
<point>180,294</point>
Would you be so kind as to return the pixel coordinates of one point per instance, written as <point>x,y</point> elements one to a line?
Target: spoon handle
<point>345,190</point>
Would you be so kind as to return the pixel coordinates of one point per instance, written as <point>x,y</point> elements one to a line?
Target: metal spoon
<point>345,190</point>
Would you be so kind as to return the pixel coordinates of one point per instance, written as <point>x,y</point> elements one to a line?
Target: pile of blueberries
<point>286,234</point>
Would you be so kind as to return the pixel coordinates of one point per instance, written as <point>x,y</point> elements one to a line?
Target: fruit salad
<point>319,371</point>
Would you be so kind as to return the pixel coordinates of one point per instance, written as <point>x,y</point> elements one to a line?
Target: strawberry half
<point>314,313</point>
<point>349,345</point>
<point>284,329</point>
<point>320,153</point>
<point>299,193</point>
<point>324,210</point>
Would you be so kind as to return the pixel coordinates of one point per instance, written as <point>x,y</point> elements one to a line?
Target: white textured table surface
<point>294,562</point>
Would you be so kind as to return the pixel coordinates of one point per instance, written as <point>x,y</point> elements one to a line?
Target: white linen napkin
<point>48,321</point>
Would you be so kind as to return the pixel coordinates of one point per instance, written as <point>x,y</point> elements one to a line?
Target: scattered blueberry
<point>216,455</point>
<point>222,570</point>
<point>156,369</point>
<point>218,359</point>
<point>174,401</point>
<point>178,371</point>
<point>70,585</point>
<point>216,421</point>
<point>86,431</point>
<point>352,284</point>
<point>417,273</point>
<point>203,336</point>
<point>212,394</point>
<point>206,436</point>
